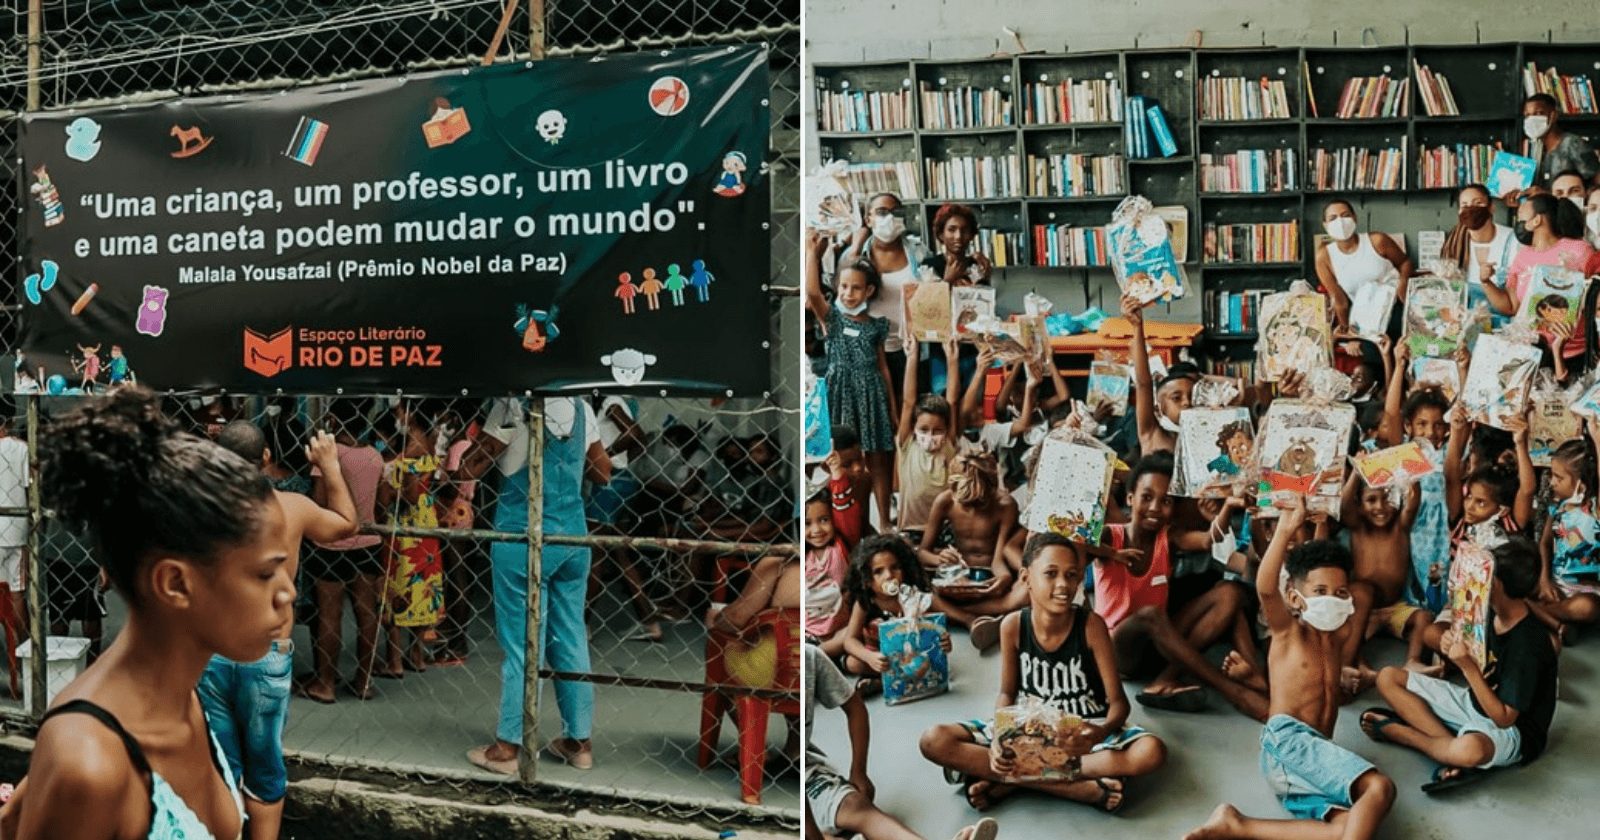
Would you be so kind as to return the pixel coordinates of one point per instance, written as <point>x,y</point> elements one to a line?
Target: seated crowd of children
<point>925,485</point>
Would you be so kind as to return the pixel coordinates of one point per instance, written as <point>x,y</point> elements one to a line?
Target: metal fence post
<point>38,631</point>
<point>528,764</point>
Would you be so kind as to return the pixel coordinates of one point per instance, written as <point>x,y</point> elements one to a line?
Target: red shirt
<point>849,518</point>
<point>1118,593</point>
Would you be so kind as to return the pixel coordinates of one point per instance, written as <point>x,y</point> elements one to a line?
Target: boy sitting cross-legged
<point>1502,716</point>
<point>1061,655</point>
<point>1330,791</point>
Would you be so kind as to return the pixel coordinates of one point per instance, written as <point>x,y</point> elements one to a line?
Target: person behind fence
<point>352,566</point>
<point>74,584</point>
<point>192,537</point>
<point>414,593</point>
<point>572,451</point>
<point>13,529</point>
<point>247,702</point>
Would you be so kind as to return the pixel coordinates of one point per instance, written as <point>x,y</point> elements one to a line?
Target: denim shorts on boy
<point>1310,775</point>
<point>247,704</point>
<point>1453,705</point>
<point>983,735</point>
<point>826,791</point>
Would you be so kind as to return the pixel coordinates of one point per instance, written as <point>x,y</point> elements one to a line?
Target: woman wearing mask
<point>1353,265</point>
<point>884,243</point>
<point>1481,246</point>
<point>1591,218</point>
<point>1540,222</point>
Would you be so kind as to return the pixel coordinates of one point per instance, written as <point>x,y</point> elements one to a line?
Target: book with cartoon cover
<point>1142,257</point>
<point>1445,374</point>
<point>1301,449</point>
<point>1404,463</point>
<point>1552,301</point>
<point>1550,424</point>
<point>1436,316</point>
<point>1109,382</point>
<point>1509,172</point>
<point>1295,334</point>
<point>1471,574</point>
<point>1215,445</point>
<point>832,209</point>
<point>818,427</point>
<point>1499,380</point>
<point>970,305</point>
<point>1040,740</point>
<point>1024,339</point>
<point>1070,486</point>
<point>918,665</point>
<point>928,310</point>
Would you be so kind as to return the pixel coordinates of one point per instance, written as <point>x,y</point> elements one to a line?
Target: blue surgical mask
<point>850,310</point>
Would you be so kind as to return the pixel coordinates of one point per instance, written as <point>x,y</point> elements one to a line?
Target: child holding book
<point>980,517</point>
<point>1502,716</point>
<point>1380,543</point>
<point>1156,407</point>
<point>1569,588</point>
<point>1328,791</point>
<point>1421,416</point>
<point>881,567</point>
<point>859,390</point>
<point>1039,644</point>
<point>925,445</point>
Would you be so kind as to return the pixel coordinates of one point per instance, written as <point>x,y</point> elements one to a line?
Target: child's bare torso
<point>1382,559</point>
<point>977,530</point>
<point>1303,675</point>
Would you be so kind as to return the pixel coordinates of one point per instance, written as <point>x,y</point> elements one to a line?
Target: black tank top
<point>1068,677</point>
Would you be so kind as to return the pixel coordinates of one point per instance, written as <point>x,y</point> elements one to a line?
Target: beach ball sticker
<point>669,96</point>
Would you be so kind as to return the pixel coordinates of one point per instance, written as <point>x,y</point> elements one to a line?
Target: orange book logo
<point>268,356</point>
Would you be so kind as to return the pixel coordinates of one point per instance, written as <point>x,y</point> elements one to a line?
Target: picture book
<point>1215,445</point>
<point>1499,381</point>
<point>1553,299</point>
<point>1141,253</point>
<point>1370,307</point>
<point>928,310</point>
<point>1295,334</point>
<point>1040,740</point>
<point>918,665</point>
<point>819,429</point>
<point>1471,574</point>
<point>1177,218</point>
<point>832,209</point>
<point>1397,464</point>
<point>1443,373</point>
<point>1436,316</point>
<point>1551,424</point>
<point>1509,172</point>
<point>1109,382</point>
<point>970,305</point>
<point>1301,449</point>
<point>1070,487</point>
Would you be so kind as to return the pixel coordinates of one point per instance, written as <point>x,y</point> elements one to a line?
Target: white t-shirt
<point>610,431</point>
<point>1502,250</point>
<point>13,491</point>
<point>506,424</point>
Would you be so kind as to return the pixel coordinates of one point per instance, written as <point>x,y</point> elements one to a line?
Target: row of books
<point>1356,168</point>
<point>1145,131</point>
<point>1057,246</point>
<point>1262,242</point>
<point>1372,97</point>
<point>1437,98</point>
<point>1238,98</point>
<point>1072,101</point>
<point>1456,165</point>
<point>866,179</point>
<point>1074,175</point>
<point>864,110</point>
<point>973,178</point>
<point>1250,171</point>
<point>1231,313</point>
<point>1245,370</point>
<point>1575,93</point>
<point>1003,248</point>
<point>964,107</point>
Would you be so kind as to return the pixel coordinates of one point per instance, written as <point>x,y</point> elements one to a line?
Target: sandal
<point>985,632</point>
<point>1190,699</point>
<point>1374,720</point>
<point>1106,792</point>
<point>1446,777</point>
<point>954,777</point>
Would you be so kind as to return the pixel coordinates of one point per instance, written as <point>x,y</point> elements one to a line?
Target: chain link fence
<point>399,627</point>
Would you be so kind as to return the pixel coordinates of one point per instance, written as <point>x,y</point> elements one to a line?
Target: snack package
<point>1471,573</point>
<point>1070,486</point>
<point>831,208</point>
<point>1040,739</point>
<point>1142,257</point>
<point>1109,382</point>
<point>1216,392</point>
<point>1401,464</point>
<point>1370,307</point>
<point>1021,340</point>
<point>918,666</point>
<point>1301,449</point>
<point>928,310</point>
<point>1588,403</point>
<point>818,426</point>
<point>1499,381</point>
<point>1295,333</point>
<point>1214,447</point>
<point>970,305</point>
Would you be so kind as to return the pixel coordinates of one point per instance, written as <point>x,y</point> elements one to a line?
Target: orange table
<point>1112,340</point>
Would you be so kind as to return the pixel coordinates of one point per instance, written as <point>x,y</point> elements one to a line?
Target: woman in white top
<point>1354,264</point>
<point>884,243</point>
<point>1482,247</point>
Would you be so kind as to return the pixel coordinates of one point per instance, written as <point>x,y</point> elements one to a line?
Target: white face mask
<point>1592,221</point>
<point>1222,550</point>
<point>850,310</point>
<point>1163,422</point>
<point>1341,228</point>
<point>930,441</point>
<point>1535,127</point>
<point>1327,612</point>
<point>887,229</point>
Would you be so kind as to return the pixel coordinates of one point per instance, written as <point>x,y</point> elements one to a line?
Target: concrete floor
<point>645,739</point>
<point>1212,759</point>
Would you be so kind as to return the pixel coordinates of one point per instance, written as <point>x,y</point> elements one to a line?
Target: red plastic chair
<point>751,713</point>
<point>13,630</point>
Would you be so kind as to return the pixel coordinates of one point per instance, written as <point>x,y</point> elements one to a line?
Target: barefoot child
<point>881,566</point>
<point>1039,646</point>
<point>1502,716</point>
<point>980,517</point>
<point>1569,588</point>
<point>827,565</point>
<point>1329,791</point>
<point>1421,416</point>
<point>1380,545</point>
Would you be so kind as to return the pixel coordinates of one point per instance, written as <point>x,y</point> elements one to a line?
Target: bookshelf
<point>1045,106</point>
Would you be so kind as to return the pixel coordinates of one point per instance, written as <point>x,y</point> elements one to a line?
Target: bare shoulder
<point>76,758</point>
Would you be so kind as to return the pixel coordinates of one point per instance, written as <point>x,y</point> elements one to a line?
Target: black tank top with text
<point>1068,677</point>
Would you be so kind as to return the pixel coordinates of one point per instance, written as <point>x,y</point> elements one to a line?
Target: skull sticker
<point>552,126</point>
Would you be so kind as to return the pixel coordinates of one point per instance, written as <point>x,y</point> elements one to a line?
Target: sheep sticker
<point>627,365</point>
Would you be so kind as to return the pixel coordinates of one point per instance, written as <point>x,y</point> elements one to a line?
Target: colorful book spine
<point>1250,171</point>
<point>1075,175</point>
<point>1231,99</point>
<point>1072,101</point>
<point>964,107</point>
<point>1373,97</point>
<point>1231,313</point>
<point>970,178</point>
<point>1356,168</point>
<point>863,111</point>
<point>1163,133</point>
<point>1059,246</point>
<point>1456,165</point>
<point>900,178</point>
<point>1575,94</point>
<point>1003,248</point>
<point>1265,242</point>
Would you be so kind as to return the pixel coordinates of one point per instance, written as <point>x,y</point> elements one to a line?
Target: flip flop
<point>985,632</point>
<point>984,829</point>
<point>479,756</point>
<point>1191,699</point>
<point>955,778</point>
<point>1463,776</point>
<point>1106,792</point>
<point>447,660</point>
<point>1379,717</point>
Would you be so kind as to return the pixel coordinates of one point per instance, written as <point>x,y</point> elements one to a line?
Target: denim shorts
<point>1309,774</point>
<point>247,704</point>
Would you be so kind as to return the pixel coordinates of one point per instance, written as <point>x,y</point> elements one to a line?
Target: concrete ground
<point>1212,759</point>
<point>645,739</point>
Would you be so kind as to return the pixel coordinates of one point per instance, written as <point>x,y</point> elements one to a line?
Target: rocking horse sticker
<point>191,141</point>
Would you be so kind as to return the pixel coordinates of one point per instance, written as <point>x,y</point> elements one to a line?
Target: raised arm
<point>816,245</point>
<point>1058,384</point>
<point>952,383</point>
<point>1527,480</point>
<point>972,398</point>
<point>1408,512</point>
<point>1390,428</point>
<point>1350,499</point>
<point>1460,430</point>
<point>1144,389</point>
<point>1030,395</point>
<point>339,519</point>
<point>908,396</point>
<point>1273,607</point>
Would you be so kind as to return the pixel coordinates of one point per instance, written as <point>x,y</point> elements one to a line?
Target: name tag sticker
<point>852,332</point>
<point>1158,580</point>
